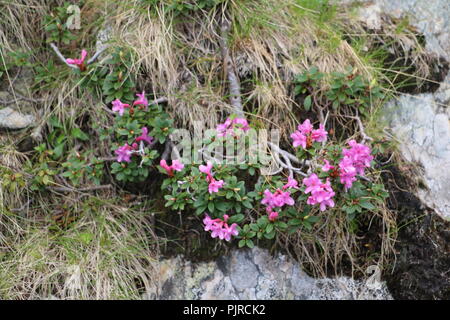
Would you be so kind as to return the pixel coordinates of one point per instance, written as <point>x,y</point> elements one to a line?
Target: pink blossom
<point>284,197</point>
<point>312,183</point>
<point>229,126</point>
<point>299,139</point>
<point>359,155</point>
<point>219,228</point>
<point>273,215</point>
<point>124,153</point>
<point>327,167</point>
<point>207,169</point>
<point>118,106</point>
<point>292,183</point>
<point>277,199</point>
<point>320,134</point>
<point>305,127</point>
<point>215,185</point>
<point>224,128</point>
<point>268,198</point>
<point>144,136</point>
<point>230,231</point>
<point>306,134</point>
<point>321,193</point>
<point>142,100</point>
<point>347,172</point>
<point>176,166</point>
<point>78,62</point>
<point>241,124</point>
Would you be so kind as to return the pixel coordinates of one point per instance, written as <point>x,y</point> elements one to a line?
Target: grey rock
<point>11,119</point>
<point>254,274</point>
<point>431,17</point>
<point>422,125</point>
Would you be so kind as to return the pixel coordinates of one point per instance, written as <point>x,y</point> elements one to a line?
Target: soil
<point>422,266</point>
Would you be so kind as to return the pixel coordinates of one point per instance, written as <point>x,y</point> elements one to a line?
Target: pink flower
<point>284,197</point>
<point>219,228</point>
<point>241,124</point>
<point>230,231</point>
<point>359,155</point>
<point>207,169</point>
<point>208,222</point>
<point>273,215</point>
<point>327,167</point>
<point>176,166</point>
<point>268,198</point>
<point>225,128</point>
<point>320,134</point>
<point>78,62</point>
<point>144,136</point>
<point>229,126</point>
<point>305,127</point>
<point>299,139</point>
<point>142,100</point>
<point>305,135</point>
<point>347,172</point>
<point>277,199</point>
<point>165,166</point>
<point>118,106</point>
<point>312,183</point>
<point>124,153</point>
<point>292,183</point>
<point>321,193</point>
<point>215,185</point>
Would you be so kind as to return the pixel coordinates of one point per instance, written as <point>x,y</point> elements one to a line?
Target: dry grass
<point>96,250</point>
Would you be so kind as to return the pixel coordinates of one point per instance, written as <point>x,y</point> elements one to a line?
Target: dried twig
<point>70,189</point>
<point>288,157</point>
<point>235,89</point>
<point>361,128</point>
<point>61,57</point>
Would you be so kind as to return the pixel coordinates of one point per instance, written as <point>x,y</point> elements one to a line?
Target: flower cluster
<point>279,198</point>
<point>119,106</point>
<point>125,152</point>
<point>214,185</point>
<point>305,135</point>
<point>353,163</point>
<point>229,126</point>
<point>219,228</point>
<point>321,193</point>
<point>176,166</point>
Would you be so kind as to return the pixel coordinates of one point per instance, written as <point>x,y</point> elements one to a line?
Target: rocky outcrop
<point>431,17</point>
<point>254,274</point>
<point>422,125</point>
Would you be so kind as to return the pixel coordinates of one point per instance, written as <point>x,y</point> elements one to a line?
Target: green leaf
<point>223,206</point>
<point>58,151</point>
<point>366,204</point>
<point>79,134</point>
<point>307,103</point>
<point>237,218</point>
